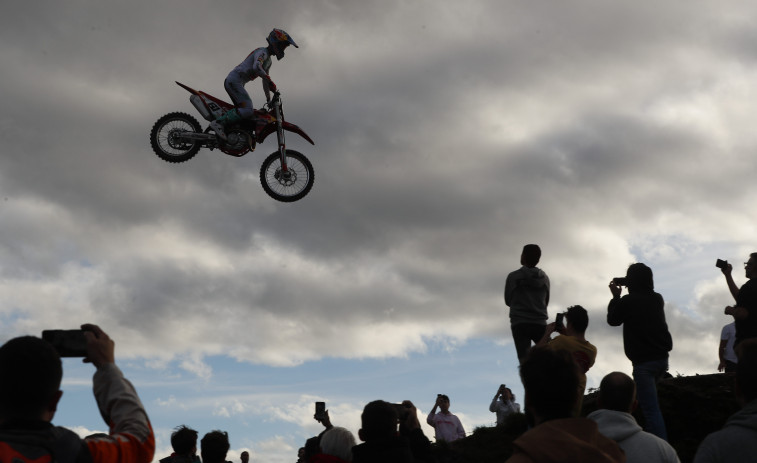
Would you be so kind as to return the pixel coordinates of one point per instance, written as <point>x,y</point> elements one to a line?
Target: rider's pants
<point>234,85</point>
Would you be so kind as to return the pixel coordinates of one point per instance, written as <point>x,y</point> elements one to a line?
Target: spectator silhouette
<point>446,426</point>
<point>336,446</point>
<point>726,354</point>
<point>737,441</point>
<point>214,446</point>
<point>745,310</point>
<point>617,400</point>
<point>572,340</point>
<point>313,445</point>
<point>244,457</point>
<point>382,443</point>
<point>527,295</point>
<point>550,380</point>
<point>30,392</point>
<point>184,443</point>
<point>646,339</point>
<point>503,404</point>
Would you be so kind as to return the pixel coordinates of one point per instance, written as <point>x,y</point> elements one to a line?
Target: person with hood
<point>550,381</point>
<point>617,400</point>
<point>527,295</point>
<point>646,339</point>
<point>737,441</point>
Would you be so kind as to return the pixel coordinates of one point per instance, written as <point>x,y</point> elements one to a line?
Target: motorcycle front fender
<point>288,126</point>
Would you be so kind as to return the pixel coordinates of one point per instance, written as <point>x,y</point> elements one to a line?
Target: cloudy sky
<point>448,135</point>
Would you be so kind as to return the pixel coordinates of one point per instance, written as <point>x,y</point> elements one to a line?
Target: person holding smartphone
<point>447,426</point>
<point>571,327</point>
<point>745,310</point>
<point>646,339</point>
<point>503,404</point>
<point>28,404</point>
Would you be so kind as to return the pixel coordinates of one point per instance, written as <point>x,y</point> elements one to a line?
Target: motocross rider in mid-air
<point>257,64</point>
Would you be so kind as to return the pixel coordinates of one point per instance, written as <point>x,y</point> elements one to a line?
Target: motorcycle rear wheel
<point>164,137</point>
<point>291,185</point>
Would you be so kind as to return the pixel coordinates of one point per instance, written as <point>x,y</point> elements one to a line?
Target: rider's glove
<point>271,85</point>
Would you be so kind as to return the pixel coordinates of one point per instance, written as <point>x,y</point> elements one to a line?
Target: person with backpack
<point>30,393</point>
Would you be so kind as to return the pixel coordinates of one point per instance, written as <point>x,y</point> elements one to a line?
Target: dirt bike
<point>286,175</point>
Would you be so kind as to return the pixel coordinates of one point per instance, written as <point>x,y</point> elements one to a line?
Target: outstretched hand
<point>726,269</point>
<point>324,419</point>
<point>100,348</point>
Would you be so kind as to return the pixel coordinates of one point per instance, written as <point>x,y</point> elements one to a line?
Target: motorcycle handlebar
<point>276,96</point>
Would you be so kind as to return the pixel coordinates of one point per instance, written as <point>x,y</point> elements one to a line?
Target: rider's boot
<point>219,124</point>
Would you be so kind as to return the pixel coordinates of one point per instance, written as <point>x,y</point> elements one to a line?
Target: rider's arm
<point>262,63</point>
<point>267,90</point>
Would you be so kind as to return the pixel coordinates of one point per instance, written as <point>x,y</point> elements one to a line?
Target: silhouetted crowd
<point>552,370</point>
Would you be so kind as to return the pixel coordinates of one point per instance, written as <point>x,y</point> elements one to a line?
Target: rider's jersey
<point>255,65</point>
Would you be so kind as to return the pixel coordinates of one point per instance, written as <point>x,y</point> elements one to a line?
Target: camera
<point>620,281</point>
<point>721,264</point>
<point>559,321</point>
<point>68,343</point>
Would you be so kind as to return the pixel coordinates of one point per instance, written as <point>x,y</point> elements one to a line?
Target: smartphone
<point>402,411</point>
<point>558,321</point>
<point>320,410</point>
<point>620,281</point>
<point>68,343</point>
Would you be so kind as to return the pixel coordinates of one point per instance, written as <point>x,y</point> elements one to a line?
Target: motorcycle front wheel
<point>291,185</point>
<point>166,141</point>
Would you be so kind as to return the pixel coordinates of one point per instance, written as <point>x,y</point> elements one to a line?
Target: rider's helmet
<point>279,40</point>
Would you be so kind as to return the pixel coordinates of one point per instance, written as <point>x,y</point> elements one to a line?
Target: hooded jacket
<point>567,440</point>
<point>645,332</point>
<point>639,446</point>
<point>527,295</point>
<point>737,441</point>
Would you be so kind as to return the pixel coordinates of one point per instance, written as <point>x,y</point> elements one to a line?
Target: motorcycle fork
<point>282,140</point>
